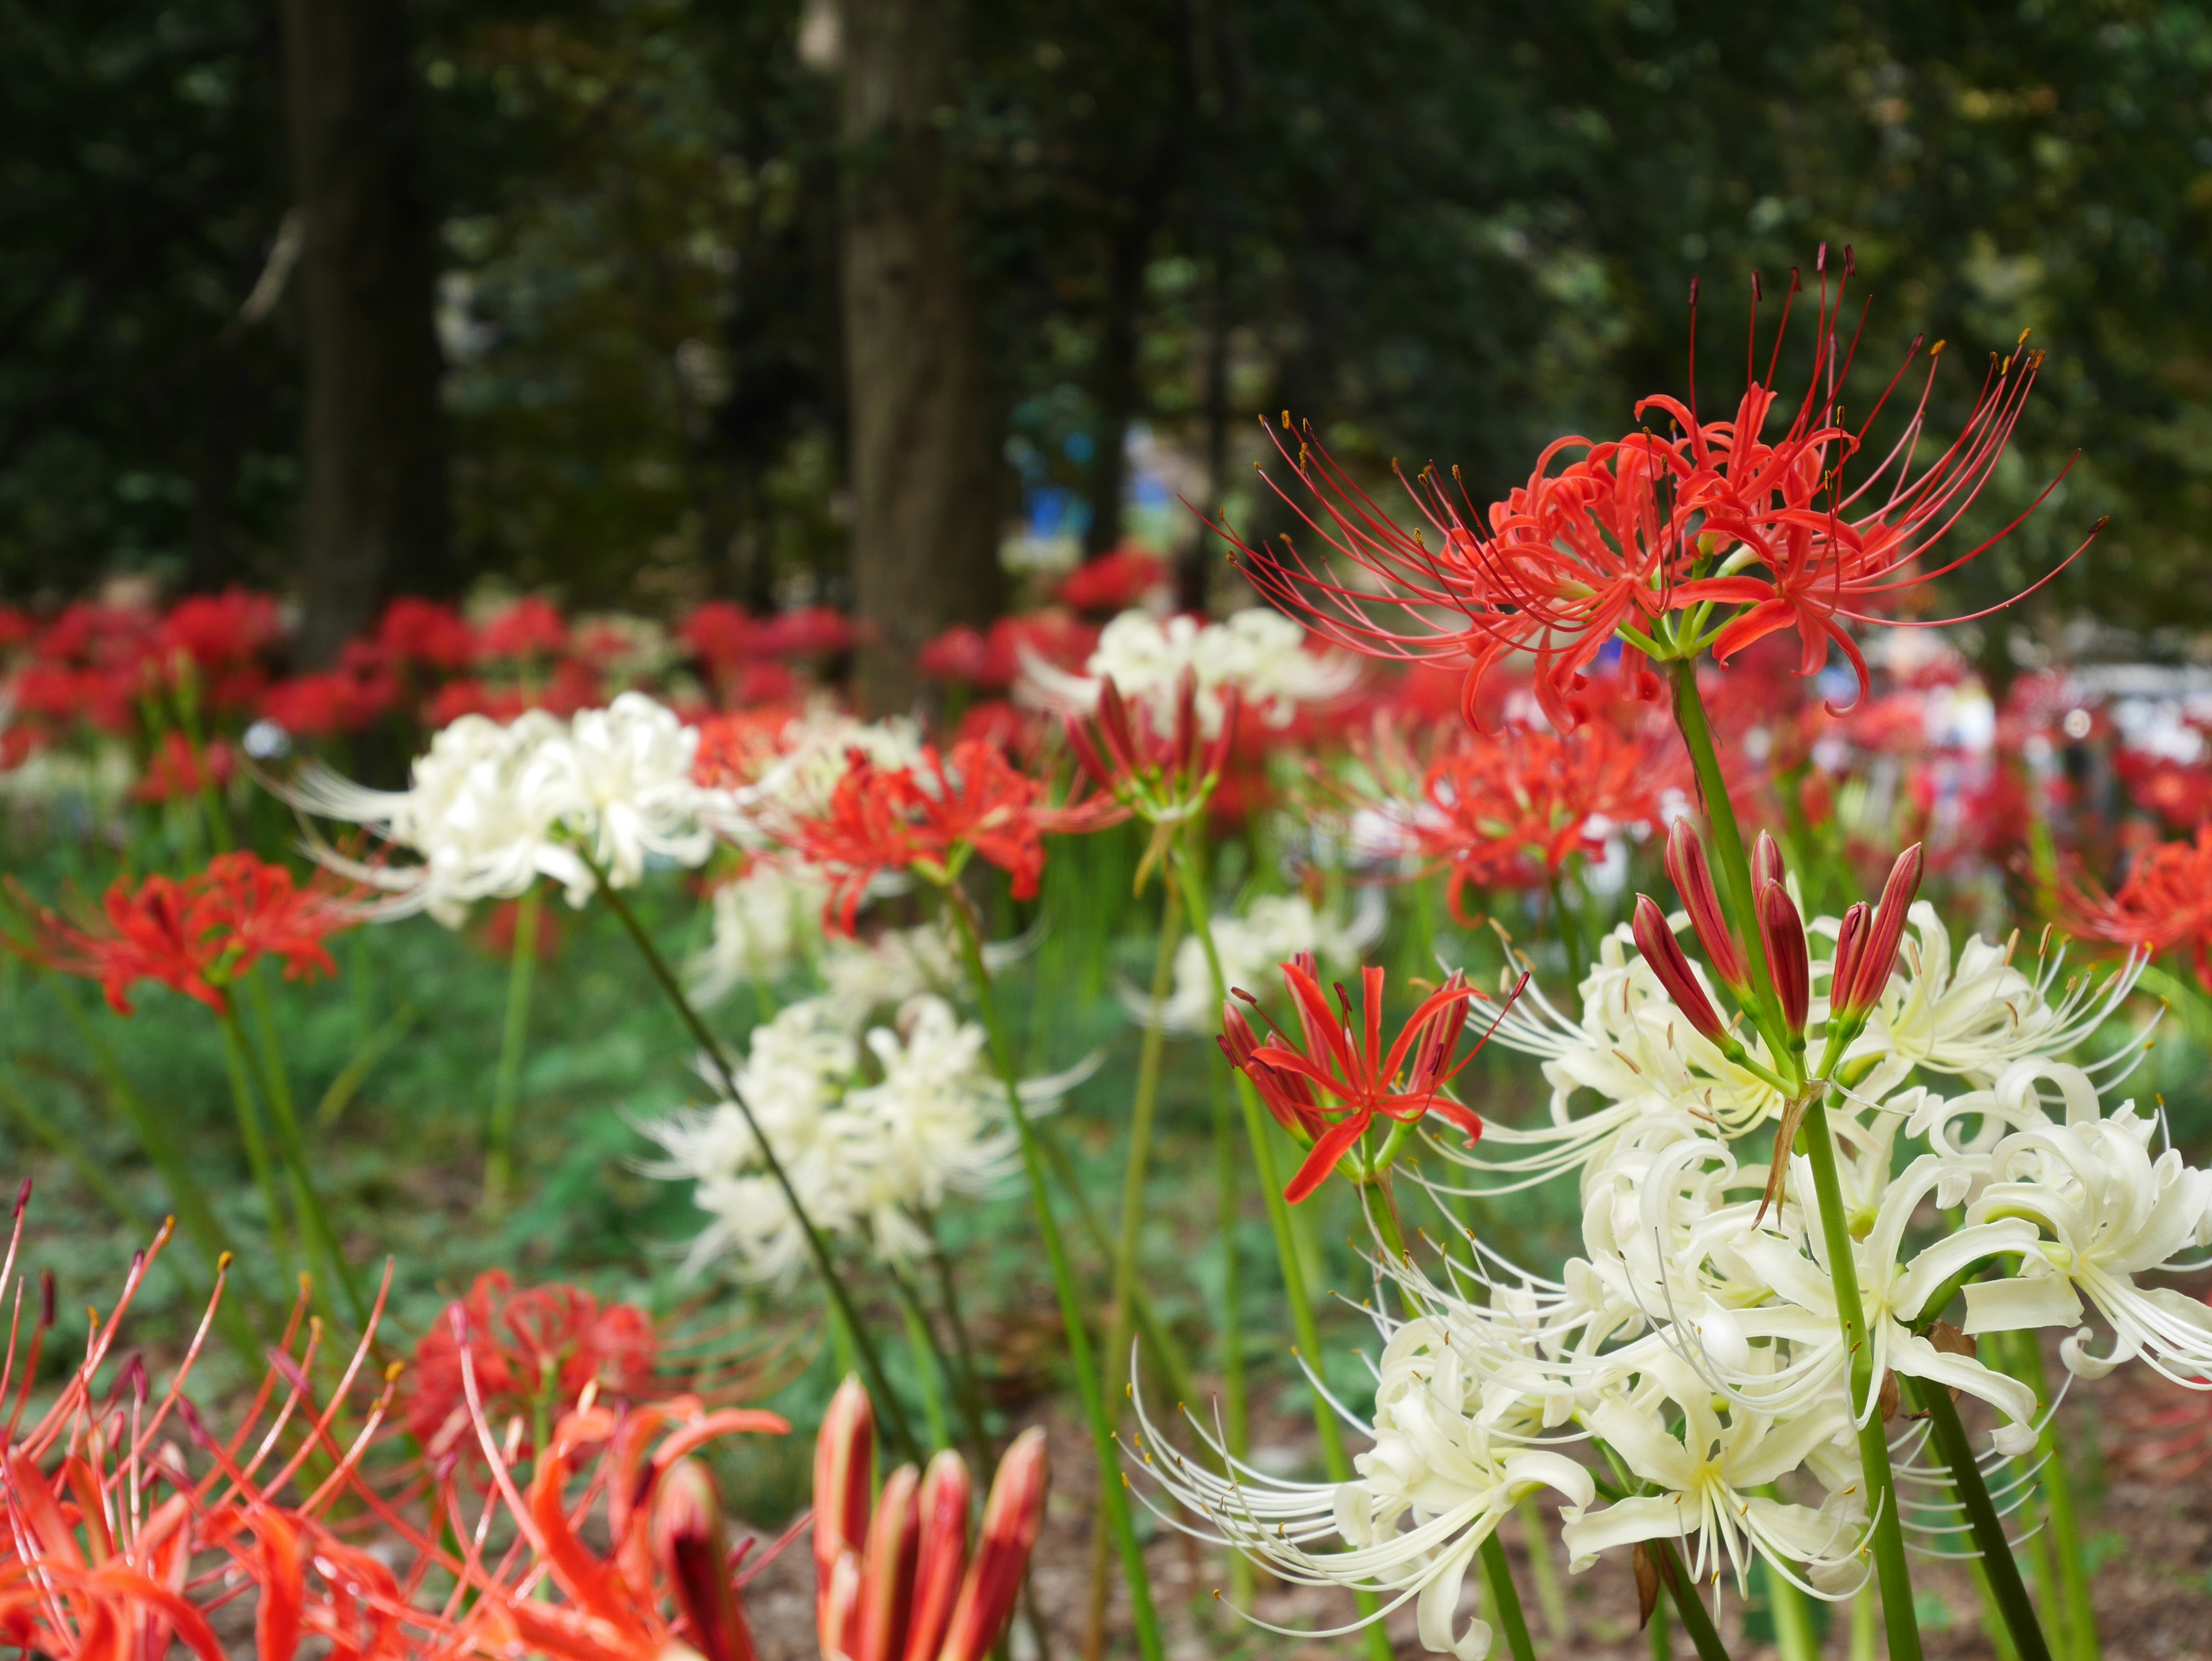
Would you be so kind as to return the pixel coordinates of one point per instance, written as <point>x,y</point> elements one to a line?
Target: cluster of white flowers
<point>765,924</point>
<point>1274,929</point>
<point>874,1125</point>
<point>1260,654</point>
<point>493,807</point>
<point>1696,1336</point>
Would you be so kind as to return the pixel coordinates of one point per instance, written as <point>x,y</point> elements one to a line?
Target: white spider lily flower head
<point>2099,1209</point>
<point>1261,654</point>
<point>1438,1480</point>
<point>875,1129</point>
<point>1976,1015</point>
<point>1274,929</point>
<point>862,975</point>
<point>765,924</point>
<point>1709,1466</point>
<point>492,806</point>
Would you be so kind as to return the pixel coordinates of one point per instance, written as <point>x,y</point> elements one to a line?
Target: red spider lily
<point>529,628</point>
<point>535,1352</point>
<point>223,637</point>
<point>1610,539</point>
<point>1165,774</point>
<point>2180,793</point>
<point>1116,581</point>
<point>1329,1087</point>
<point>175,771</point>
<point>2164,903</point>
<point>810,631</point>
<point>421,632</point>
<point>349,698</point>
<point>719,634</point>
<point>889,1585</point>
<point>991,661</point>
<point>1510,811</point>
<point>196,936</point>
<point>929,818</point>
<point>736,748</point>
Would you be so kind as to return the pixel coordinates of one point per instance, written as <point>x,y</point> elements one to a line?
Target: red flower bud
<point>1782,931</point>
<point>1011,1517</point>
<point>1657,942</point>
<point>944,1554</point>
<point>1765,862</point>
<point>1086,753</point>
<point>1693,881</point>
<point>688,1537</point>
<point>1874,967</point>
<point>887,1574</point>
<point>837,1598</point>
<point>1850,947</point>
<point>844,1459</point>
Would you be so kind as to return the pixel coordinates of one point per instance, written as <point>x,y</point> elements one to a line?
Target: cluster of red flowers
<point>130,1521</point>
<point>1614,539</point>
<point>929,817</point>
<point>196,935</point>
<point>2163,904</point>
<point>117,669</point>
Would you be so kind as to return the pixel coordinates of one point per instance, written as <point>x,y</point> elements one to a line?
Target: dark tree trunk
<point>1116,387</point>
<point>373,518</point>
<point>924,460</point>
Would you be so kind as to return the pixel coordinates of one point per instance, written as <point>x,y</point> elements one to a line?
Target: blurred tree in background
<point>1443,232</point>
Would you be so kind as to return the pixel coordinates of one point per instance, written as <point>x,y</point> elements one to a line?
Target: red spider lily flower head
<point>720,634</point>
<point>929,817</point>
<point>1348,1077</point>
<point>969,657</point>
<point>1509,812</point>
<point>1129,577</point>
<point>810,631</point>
<point>415,632</point>
<point>1616,538</point>
<point>888,1583</point>
<point>1162,772</point>
<point>350,698</point>
<point>2180,793</point>
<point>535,1352</point>
<point>195,936</point>
<point>2163,904</point>
<point>529,628</point>
<point>736,748</point>
<point>176,772</point>
<point>222,638</point>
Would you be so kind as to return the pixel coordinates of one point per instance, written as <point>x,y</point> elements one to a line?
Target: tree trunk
<point>924,463</point>
<point>1115,389</point>
<point>374,517</point>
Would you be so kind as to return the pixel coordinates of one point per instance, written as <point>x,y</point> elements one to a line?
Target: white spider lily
<point>765,924</point>
<point>868,1158</point>
<point>493,807</point>
<point>1708,1471</point>
<point>2110,1212</point>
<point>1437,1483</point>
<point>1260,654</point>
<point>1274,929</point>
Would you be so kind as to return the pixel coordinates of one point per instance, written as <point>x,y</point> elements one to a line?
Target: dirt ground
<point>2150,1543</point>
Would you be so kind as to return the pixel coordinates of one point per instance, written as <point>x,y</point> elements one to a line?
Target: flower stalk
<point>864,1347</point>
<point>2005,1585</point>
<point>515,1034</point>
<point>1113,1496</point>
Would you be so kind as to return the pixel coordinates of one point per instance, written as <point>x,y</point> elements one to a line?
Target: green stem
<point>2005,1584</point>
<point>968,1389</point>
<point>1731,865</point>
<point>1794,1634</point>
<point>1191,884</point>
<point>1112,1494</point>
<point>515,1034</point>
<point>929,1363</point>
<point>257,1142</point>
<point>1657,1635</point>
<point>1568,928</point>
<point>1890,1568</point>
<point>1551,1596</point>
<point>892,1411</point>
<point>292,1148</point>
<point>1697,1620</point>
<point>2077,1621</point>
<point>1504,1599</point>
<point>1114,1358</point>
<point>1235,1418</point>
